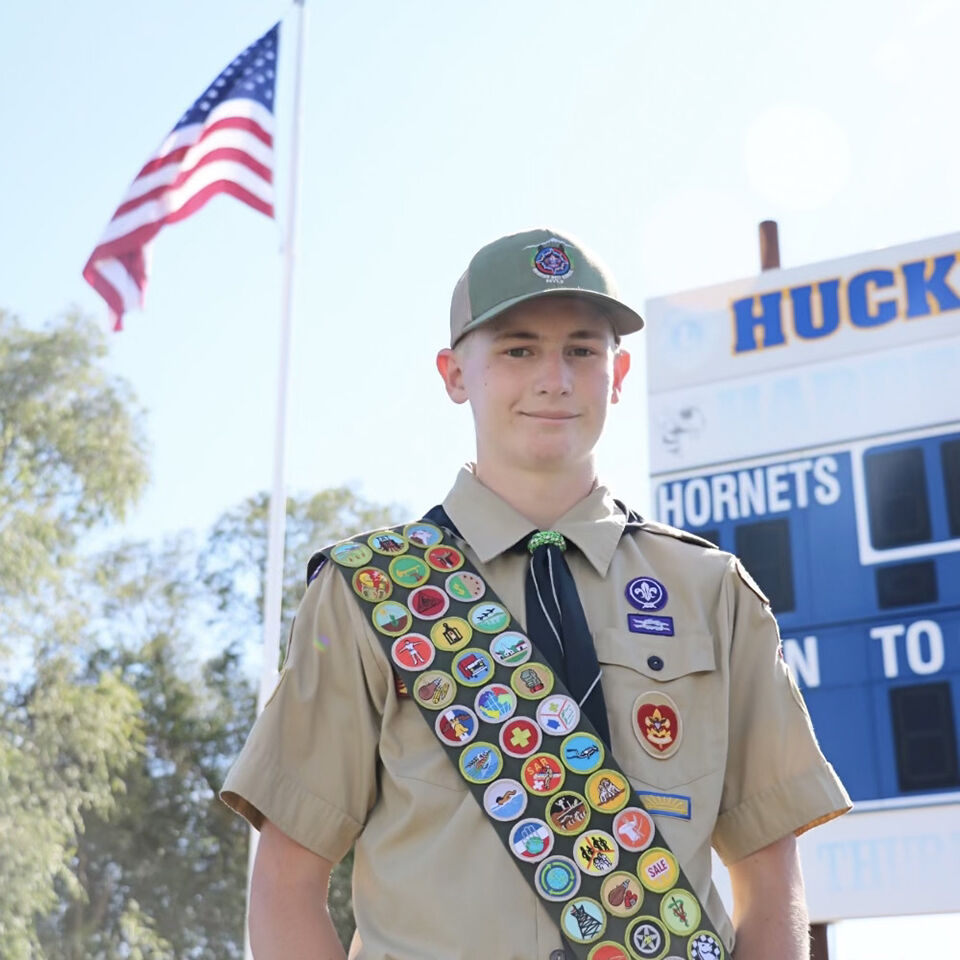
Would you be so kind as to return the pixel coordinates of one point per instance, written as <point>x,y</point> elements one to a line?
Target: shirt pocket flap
<point>659,658</point>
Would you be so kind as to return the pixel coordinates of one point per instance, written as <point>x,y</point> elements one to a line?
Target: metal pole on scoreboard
<point>273,586</point>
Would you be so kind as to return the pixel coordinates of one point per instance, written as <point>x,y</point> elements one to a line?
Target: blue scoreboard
<point>808,420</point>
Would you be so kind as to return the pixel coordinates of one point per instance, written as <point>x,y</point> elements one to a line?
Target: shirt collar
<point>491,526</point>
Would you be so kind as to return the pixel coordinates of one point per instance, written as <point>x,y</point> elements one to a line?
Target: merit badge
<point>481,762</point>
<point>465,586</point>
<point>473,667</point>
<point>372,584</point>
<point>532,681</point>
<point>657,724</point>
<point>543,774</point>
<point>582,752</point>
<point>457,725</point>
<point>451,633</point>
<point>597,853</point>
<point>658,626</point>
<point>647,939</point>
<point>551,262</point>
<point>423,535</point>
<point>412,651</point>
<point>608,791</point>
<point>646,594</point>
<point>388,543</point>
<point>443,558</point>
<point>520,737</point>
<point>428,602</point>
<point>704,946</point>
<point>658,869</point>
<point>633,829</point>
<point>351,554</point>
<point>557,878</point>
<point>531,840</point>
<point>409,571</point>
<point>434,689</point>
<point>608,950</point>
<point>621,894</point>
<point>505,800</point>
<point>391,618</point>
<point>510,648</point>
<point>680,912</point>
<point>558,714</point>
<point>583,920</point>
<point>495,703</point>
<point>568,813</point>
<point>488,617</point>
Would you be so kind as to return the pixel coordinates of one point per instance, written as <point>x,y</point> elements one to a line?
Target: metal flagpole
<point>273,588</point>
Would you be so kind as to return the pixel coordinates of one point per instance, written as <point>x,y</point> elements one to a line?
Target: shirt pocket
<point>682,668</point>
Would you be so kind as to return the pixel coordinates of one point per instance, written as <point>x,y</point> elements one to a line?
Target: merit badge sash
<point>547,783</point>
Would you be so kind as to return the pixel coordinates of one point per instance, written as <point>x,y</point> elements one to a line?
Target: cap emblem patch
<point>551,262</point>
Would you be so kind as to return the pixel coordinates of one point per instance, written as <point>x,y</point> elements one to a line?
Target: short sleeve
<point>777,781</point>
<point>310,762</point>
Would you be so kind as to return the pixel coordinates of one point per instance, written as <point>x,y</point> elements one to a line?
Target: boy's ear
<point>451,370</point>
<point>621,367</point>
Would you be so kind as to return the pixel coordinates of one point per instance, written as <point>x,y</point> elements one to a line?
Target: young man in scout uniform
<point>609,690</point>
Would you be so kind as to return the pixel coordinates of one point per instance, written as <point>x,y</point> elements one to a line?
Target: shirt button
<point>558,955</point>
<point>655,663</point>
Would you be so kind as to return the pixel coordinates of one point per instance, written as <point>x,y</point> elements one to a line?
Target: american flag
<point>222,144</point>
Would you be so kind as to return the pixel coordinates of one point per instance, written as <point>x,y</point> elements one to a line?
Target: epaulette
<point>665,530</point>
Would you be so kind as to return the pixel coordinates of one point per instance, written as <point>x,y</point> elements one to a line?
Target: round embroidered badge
<point>558,714</point>
<point>392,618</point>
<point>465,586</point>
<point>597,853</point>
<point>495,703</point>
<point>510,648</point>
<point>457,725</point>
<point>657,724</point>
<point>372,584</point>
<point>582,752</point>
<point>704,946</point>
<point>451,634</point>
<point>488,617</point>
<point>481,762</point>
<point>473,667</point>
<point>621,894</point>
<point>551,261</point>
<point>409,571</point>
<point>533,681</point>
<point>531,840</point>
<point>413,651</point>
<point>428,602</point>
<point>607,791</point>
<point>680,911</point>
<point>520,737</point>
<point>583,920</point>
<point>658,869</point>
<point>633,829</point>
<point>423,535</point>
<point>557,878</point>
<point>443,558</point>
<point>608,950</point>
<point>647,939</point>
<point>543,774</point>
<point>434,689</point>
<point>568,813</point>
<point>388,543</point>
<point>646,594</point>
<point>505,800</point>
<point>351,554</point>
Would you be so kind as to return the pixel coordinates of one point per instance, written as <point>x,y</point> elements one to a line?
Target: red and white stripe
<point>231,152</point>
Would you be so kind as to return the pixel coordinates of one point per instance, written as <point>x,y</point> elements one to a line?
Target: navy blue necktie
<point>555,620</point>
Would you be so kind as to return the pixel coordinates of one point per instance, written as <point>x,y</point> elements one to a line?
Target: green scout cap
<point>535,263</point>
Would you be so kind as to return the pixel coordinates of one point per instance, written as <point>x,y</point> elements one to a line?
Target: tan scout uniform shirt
<point>338,758</point>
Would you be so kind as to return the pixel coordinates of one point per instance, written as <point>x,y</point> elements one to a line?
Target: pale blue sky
<point>661,133</point>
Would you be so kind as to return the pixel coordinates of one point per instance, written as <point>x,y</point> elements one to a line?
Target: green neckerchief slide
<point>550,788</point>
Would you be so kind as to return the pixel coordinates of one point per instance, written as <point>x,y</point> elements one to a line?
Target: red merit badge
<point>443,558</point>
<point>520,737</point>
<point>633,829</point>
<point>413,652</point>
<point>657,724</point>
<point>372,584</point>
<point>428,603</point>
<point>543,774</point>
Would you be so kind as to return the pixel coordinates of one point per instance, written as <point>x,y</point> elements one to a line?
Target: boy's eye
<point>582,351</point>
<point>518,352</point>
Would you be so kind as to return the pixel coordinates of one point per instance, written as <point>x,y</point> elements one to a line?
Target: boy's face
<point>539,380</point>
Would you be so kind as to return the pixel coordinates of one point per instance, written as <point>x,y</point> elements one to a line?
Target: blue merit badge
<point>646,594</point>
<point>661,626</point>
